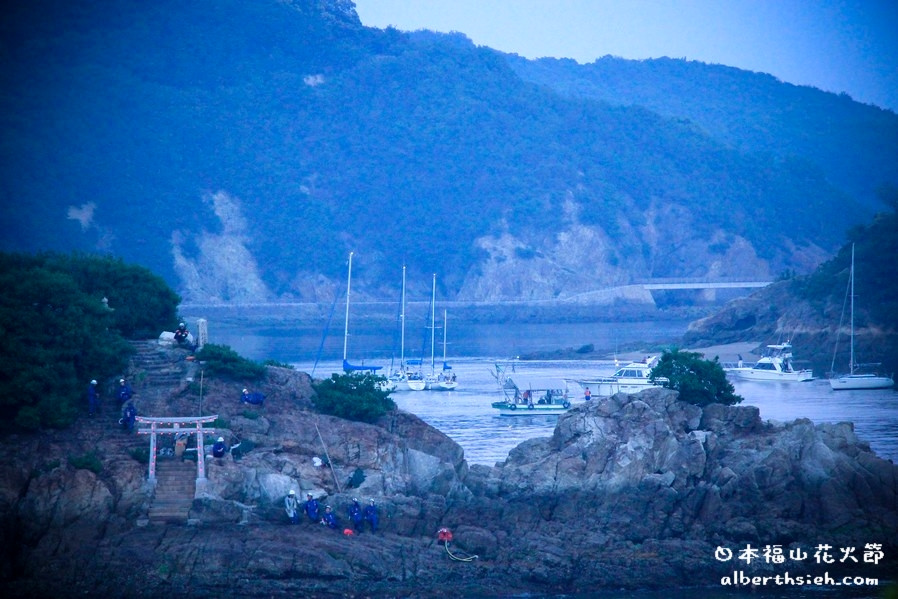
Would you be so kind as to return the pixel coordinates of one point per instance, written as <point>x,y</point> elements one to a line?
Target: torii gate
<point>173,426</point>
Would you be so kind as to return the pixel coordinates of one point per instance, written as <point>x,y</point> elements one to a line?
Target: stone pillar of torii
<point>189,425</point>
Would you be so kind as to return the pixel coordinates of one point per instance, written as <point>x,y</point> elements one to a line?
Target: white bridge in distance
<point>633,290</point>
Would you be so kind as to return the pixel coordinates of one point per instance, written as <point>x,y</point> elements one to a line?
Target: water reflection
<point>466,416</point>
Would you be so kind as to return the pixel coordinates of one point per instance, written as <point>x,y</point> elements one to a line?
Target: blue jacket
<point>124,393</point>
<point>311,508</point>
<point>330,519</point>
<point>218,449</point>
<point>371,515</point>
<point>355,512</point>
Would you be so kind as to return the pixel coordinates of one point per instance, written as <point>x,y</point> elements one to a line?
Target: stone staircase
<point>154,367</point>
<point>175,488</point>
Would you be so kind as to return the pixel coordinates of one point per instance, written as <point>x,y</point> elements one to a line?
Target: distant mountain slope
<point>241,150</point>
<point>809,309</point>
<point>856,145</point>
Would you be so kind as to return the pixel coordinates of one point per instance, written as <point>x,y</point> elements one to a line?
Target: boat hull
<point>416,384</point>
<point>511,409</point>
<point>608,387</point>
<point>751,374</point>
<point>860,381</point>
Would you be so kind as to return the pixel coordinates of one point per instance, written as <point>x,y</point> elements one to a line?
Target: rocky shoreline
<point>632,491</point>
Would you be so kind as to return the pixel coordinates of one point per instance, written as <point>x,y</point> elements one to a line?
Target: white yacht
<point>775,365</point>
<point>632,378</point>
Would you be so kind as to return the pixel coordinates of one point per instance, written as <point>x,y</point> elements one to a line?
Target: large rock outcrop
<point>630,491</point>
<point>659,484</point>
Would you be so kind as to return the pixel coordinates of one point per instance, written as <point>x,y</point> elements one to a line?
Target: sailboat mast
<point>851,363</point>
<point>402,323</point>
<point>444,338</point>
<point>433,297</point>
<point>346,319</point>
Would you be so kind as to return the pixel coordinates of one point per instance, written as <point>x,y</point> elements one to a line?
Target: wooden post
<point>152,475</point>
<point>200,458</point>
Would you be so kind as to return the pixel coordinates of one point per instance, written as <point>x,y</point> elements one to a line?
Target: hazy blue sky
<point>836,45</point>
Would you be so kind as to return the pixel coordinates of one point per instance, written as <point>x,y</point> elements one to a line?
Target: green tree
<point>142,303</point>
<point>58,334</point>
<point>699,381</point>
<point>354,396</point>
<point>221,359</point>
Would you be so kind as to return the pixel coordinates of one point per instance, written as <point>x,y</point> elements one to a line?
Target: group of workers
<point>125,397</point>
<point>312,509</point>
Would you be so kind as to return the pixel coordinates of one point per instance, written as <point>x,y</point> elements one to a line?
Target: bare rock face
<point>630,491</point>
<point>635,470</point>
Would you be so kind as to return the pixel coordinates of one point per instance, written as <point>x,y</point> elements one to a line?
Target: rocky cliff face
<point>630,491</point>
<point>580,262</point>
<point>776,314</point>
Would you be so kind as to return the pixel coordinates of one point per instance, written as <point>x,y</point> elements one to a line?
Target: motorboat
<point>631,378</point>
<point>532,396</point>
<point>855,380</point>
<point>775,365</point>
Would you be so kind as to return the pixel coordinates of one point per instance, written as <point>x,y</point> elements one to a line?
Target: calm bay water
<point>371,342</point>
<point>465,415</point>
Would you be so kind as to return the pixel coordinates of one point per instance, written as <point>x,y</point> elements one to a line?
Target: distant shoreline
<point>728,352</point>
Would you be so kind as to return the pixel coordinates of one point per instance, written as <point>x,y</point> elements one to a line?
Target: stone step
<point>175,489</point>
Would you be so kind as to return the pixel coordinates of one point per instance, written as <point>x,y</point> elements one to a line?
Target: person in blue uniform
<point>311,508</point>
<point>124,392</point>
<point>355,515</point>
<point>330,518</point>
<point>219,449</point>
<point>93,398</point>
<point>371,516</point>
<point>129,415</point>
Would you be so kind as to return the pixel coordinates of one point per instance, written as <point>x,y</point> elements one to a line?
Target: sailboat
<point>433,381</point>
<point>446,380</point>
<point>400,376</point>
<point>854,380</point>
<point>417,381</point>
<point>347,367</point>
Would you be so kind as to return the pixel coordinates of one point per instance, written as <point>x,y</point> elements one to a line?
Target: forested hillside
<point>241,150</point>
<point>855,144</point>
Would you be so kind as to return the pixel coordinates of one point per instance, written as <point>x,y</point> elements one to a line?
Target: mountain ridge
<point>126,128</point>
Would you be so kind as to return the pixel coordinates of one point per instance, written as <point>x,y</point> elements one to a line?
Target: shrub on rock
<point>353,396</point>
<point>699,381</point>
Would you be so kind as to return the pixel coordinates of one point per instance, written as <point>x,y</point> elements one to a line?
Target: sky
<point>839,46</point>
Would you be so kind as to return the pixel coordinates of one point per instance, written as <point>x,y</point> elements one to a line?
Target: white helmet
<point>292,492</point>
<point>93,381</point>
<point>245,391</point>
<point>221,439</point>
<point>122,381</point>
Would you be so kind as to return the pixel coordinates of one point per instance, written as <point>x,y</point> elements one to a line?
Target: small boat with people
<point>775,365</point>
<point>631,378</point>
<point>531,396</point>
